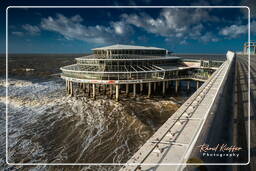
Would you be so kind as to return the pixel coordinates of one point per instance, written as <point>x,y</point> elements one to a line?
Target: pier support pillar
<point>84,87</point>
<point>110,91</point>
<point>67,86</point>
<point>149,89</point>
<point>89,90</point>
<point>71,88</point>
<point>176,86</point>
<point>141,87</point>
<point>188,85</point>
<point>197,84</point>
<point>127,89</point>
<point>99,88</point>
<point>93,91</point>
<point>104,89</point>
<point>163,88</point>
<point>154,87</point>
<point>117,92</point>
<point>134,90</point>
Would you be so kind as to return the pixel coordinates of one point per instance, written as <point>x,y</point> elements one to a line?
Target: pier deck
<point>174,141</point>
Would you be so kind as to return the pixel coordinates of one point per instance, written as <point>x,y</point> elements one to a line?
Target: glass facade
<point>130,65</point>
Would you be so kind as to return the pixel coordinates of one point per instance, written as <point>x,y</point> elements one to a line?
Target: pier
<point>250,47</point>
<point>206,117</point>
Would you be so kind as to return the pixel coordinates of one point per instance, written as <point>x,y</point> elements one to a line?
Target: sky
<point>78,30</point>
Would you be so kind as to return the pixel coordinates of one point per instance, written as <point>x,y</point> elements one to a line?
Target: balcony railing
<point>153,76</point>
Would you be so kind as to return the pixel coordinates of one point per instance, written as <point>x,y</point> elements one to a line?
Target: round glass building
<point>122,65</point>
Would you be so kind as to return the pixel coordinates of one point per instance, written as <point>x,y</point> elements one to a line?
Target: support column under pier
<point>127,89</point>
<point>71,88</point>
<point>93,91</point>
<point>67,86</point>
<point>110,91</point>
<point>149,89</point>
<point>141,88</point>
<point>176,86</point>
<point>84,87</point>
<point>134,90</point>
<point>163,88</point>
<point>89,90</point>
<point>197,84</point>
<point>188,85</point>
<point>117,92</point>
<point>154,87</point>
<point>104,89</point>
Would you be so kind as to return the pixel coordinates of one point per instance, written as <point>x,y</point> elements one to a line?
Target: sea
<point>46,125</point>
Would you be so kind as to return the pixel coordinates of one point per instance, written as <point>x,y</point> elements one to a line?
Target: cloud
<point>172,22</point>
<point>208,37</point>
<point>72,28</point>
<point>180,25</point>
<point>18,33</point>
<point>32,30</point>
<point>235,31</point>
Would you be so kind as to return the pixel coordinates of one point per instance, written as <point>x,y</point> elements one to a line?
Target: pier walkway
<point>175,140</point>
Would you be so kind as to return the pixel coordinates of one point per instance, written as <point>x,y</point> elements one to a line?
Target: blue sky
<point>77,30</point>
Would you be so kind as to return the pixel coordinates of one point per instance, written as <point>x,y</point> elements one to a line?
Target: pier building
<point>131,70</point>
<point>250,47</point>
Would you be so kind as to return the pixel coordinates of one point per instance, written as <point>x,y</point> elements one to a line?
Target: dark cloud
<point>32,30</point>
<point>235,31</point>
<point>173,22</point>
<point>72,28</point>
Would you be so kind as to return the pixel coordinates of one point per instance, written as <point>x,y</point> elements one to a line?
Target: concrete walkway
<point>175,139</point>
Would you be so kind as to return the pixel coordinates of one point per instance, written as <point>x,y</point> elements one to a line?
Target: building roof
<point>130,47</point>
